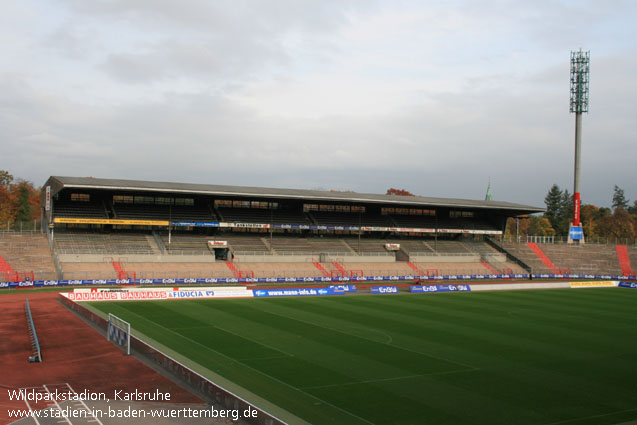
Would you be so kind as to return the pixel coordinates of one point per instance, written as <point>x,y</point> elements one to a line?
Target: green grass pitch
<point>524,357</point>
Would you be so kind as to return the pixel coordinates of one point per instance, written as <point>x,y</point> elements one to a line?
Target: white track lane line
<point>95,419</point>
<point>58,406</point>
<point>30,409</point>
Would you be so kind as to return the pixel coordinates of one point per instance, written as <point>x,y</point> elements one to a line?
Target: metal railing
<point>182,274</point>
<point>35,343</point>
<point>564,240</point>
<point>443,254</point>
<point>20,226</point>
<point>37,275</point>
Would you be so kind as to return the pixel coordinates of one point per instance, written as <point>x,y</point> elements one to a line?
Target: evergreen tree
<point>24,207</point>
<point>619,200</point>
<point>565,216</point>
<point>553,201</point>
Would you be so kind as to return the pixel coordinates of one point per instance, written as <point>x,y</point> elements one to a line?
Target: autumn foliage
<point>19,200</point>
<point>598,222</point>
<point>399,192</point>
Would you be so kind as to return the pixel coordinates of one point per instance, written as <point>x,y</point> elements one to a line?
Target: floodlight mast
<point>580,70</point>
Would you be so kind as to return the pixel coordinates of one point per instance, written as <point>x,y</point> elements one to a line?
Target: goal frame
<point>118,332</point>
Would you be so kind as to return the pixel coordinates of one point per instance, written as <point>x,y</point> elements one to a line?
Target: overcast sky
<point>430,96</point>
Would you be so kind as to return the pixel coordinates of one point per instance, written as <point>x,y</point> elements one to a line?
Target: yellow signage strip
<point>593,284</point>
<point>63,220</point>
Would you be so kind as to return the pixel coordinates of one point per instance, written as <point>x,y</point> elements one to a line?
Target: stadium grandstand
<point>97,228</point>
<point>111,228</point>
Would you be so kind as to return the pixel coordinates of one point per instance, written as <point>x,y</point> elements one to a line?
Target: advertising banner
<point>159,294</point>
<point>384,289</point>
<point>345,280</point>
<point>328,227</point>
<point>196,224</point>
<point>342,288</point>
<point>595,284</point>
<point>576,233</point>
<point>294,292</point>
<point>64,220</point>
<point>47,199</point>
<point>440,288</point>
<point>628,285</point>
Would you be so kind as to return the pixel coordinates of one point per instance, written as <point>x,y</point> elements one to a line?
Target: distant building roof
<point>91,183</point>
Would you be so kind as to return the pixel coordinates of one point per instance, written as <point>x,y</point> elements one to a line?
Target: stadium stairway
<point>624,260</point>
<point>234,269</point>
<point>413,266</point>
<point>340,268</point>
<point>121,273</point>
<point>542,256</point>
<point>6,270</point>
<point>321,268</point>
<point>490,267</point>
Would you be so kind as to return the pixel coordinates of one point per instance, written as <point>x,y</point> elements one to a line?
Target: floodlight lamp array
<point>580,70</point>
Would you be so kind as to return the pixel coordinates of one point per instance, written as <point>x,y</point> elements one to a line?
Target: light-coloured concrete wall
<point>100,258</point>
<point>361,258</point>
<point>495,258</point>
<point>519,286</point>
<point>469,258</point>
<point>276,258</point>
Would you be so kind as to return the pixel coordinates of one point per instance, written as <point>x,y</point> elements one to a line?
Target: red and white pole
<point>578,151</point>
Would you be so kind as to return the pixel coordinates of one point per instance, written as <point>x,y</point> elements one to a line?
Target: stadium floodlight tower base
<point>580,69</point>
<point>576,234</point>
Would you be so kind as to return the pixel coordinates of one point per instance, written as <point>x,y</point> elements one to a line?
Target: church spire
<point>489,195</point>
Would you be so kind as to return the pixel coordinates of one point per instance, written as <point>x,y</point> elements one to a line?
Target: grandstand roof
<point>59,183</point>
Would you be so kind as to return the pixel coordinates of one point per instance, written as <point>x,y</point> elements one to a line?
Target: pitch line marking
<point>258,342</point>
<point>591,417</point>
<point>265,358</point>
<point>389,338</point>
<point>468,366</point>
<point>398,378</point>
<point>233,333</point>
<point>256,370</point>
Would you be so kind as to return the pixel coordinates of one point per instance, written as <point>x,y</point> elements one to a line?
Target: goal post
<point>118,332</point>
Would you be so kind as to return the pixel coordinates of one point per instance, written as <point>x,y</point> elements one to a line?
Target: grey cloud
<point>213,59</point>
<point>226,15</point>
<point>203,39</point>
<point>203,138</point>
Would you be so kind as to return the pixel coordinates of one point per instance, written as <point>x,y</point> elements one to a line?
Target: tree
<point>565,215</point>
<point>5,178</point>
<point>529,226</point>
<point>553,201</point>
<point>19,201</point>
<point>618,225</point>
<point>6,205</point>
<point>619,200</point>
<point>540,226</point>
<point>399,192</point>
<point>23,206</point>
<point>590,214</point>
<point>633,209</point>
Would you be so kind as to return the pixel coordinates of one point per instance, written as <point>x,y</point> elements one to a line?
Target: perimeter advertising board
<point>596,284</point>
<point>384,289</point>
<point>158,294</point>
<point>294,292</point>
<point>439,288</point>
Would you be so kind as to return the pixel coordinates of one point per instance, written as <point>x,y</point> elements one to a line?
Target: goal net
<point>118,332</point>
